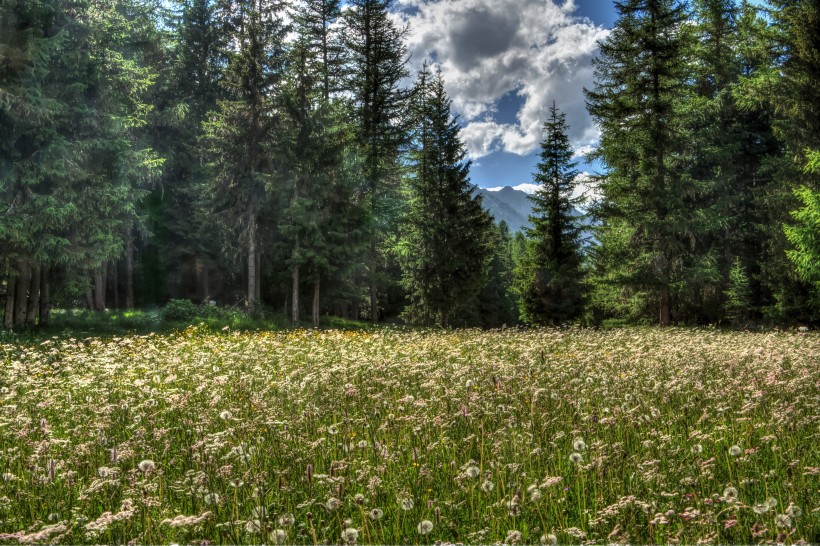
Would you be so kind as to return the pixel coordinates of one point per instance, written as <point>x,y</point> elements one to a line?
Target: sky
<point>504,62</point>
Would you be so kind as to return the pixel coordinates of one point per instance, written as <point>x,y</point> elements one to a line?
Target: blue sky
<point>504,62</point>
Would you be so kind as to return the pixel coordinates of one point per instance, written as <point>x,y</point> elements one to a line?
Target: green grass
<point>631,435</point>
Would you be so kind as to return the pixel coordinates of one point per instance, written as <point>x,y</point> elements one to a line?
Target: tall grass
<point>569,436</point>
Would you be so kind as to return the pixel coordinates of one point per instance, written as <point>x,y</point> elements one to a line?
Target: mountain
<point>512,205</point>
<point>509,205</point>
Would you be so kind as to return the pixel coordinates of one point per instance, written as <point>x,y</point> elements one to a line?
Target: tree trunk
<point>21,295</point>
<point>129,271</point>
<point>374,291</point>
<point>258,287</point>
<point>664,310</point>
<point>99,289</point>
<point>45,297</point>
<point>33,308</point>
<point>8,317</point>
<point>294,315</point>
<point>114,283</point>
<point>316,304</point>
<point>251,261</point>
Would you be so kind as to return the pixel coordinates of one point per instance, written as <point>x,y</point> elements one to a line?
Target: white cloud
<point>585,187</point>
<point>487,48</point>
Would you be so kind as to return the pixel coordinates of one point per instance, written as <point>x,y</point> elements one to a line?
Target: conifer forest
<point>281,157</point>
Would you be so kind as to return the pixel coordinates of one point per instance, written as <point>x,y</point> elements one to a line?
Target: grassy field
<point>400,436</point>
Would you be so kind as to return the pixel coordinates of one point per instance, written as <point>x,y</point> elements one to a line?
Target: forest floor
<point>408,436</point>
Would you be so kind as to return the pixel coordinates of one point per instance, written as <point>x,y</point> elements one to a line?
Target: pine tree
<point>549,280</point>
<point>646,227</point>
<point>445,247</point>
<point>375,68</point>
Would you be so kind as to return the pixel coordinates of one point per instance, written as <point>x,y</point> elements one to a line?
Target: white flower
<point>697,448</point>
<point>225,415</point>
<point>146,465</point>
<point>253,526</point>
<point>472,471</point>
<point>376,514</point>
<point>794,511</point>
<point>350,535</point>
<point>333,503</point>
<point>278,537</point>
<point>513,537</point>
<point>734,451</point>
<point>487,486</point>
<point>332,430</point>
<point>782,520</point>
<point>760,508</point>
<point>286,520</point>
<point>424,527</point>
<point>730,493</point>
<point>407,504</point>
<point>212,498</point>
<point>363,444</point>
<point>578,444</point>
<point>549,539</point>
<point>576,458</point>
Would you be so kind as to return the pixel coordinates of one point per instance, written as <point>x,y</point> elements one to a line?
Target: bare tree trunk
<point>33,308</point>
<point>21,294</point>
<point>129,271</point>
<point>374,291</point>
<point>258,287</point>
<point>664,310</point>
<point>114,283</point>
<point>99,289</point>
<point>45,297</point>
<point>316,304</point>
<point>294,313</point>
<point>8,317</point>
<point>252,261</point>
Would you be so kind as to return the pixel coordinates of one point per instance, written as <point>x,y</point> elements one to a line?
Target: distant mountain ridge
<point>507,204</point>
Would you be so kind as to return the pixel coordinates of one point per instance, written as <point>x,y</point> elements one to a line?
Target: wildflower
<point>487,486</point>
<point>225,415</point>
<point>146,466</point>
<point>260,512</point>
<point>794,511</point>
<point>576,458</point>
<point>253,526</point>
<point>771,502</point>
<point>286,520</point>
<point>278,537</point>
<point>363,444</point>
<point>730,493</point>
<point>406,504</point>
<point>578,444</point>
<point>332,430</point>
<point>333,503</point>
<point>424,527</point>
<point>697,449</point>
<point>513,537</point>
<point>761,508</point>
<point>350,535</point>
<point>549,539</point>
<point>472,471</point>
<point>734,451</point>
<point>784,521</point>
<point>376,514</point>
<point>105,472</point>
<point>212,498</point>
<point>54,516</point>
<point>536,496</point>
<point>358,498</point>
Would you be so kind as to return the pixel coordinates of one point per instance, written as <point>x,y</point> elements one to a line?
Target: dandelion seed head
<point>730,493</point>
<point>578,444</point>
<point>794,511</point>
<point>735,450</point>
<point>350,535</point>
<point>472,471</point>
<point>333,503</point>
<point>549,539</point>
<point>576,458</point>
<point>146,465</point>
<point>487,486</point>
<point>286,520</point>
<point>783,521</point>
<point>278,537</point>
<point>424,527</point>
<point>407,504</point>
<point>376,514</point>
<point>697,448</point>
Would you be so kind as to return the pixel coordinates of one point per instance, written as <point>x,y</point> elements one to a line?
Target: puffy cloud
<point>538,49</point>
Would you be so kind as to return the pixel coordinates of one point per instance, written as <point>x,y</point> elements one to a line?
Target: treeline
<point>279,156</point>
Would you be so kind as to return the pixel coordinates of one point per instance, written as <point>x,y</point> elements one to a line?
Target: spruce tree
<point>376,65</point>
<point>445,247</point>
<point>240,135</point>
<point>549,279</point>
<point>646,227</point>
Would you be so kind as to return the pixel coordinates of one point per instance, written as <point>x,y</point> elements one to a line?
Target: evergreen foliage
<point>549,279</point>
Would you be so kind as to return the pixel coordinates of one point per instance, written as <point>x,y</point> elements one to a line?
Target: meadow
<point>393,436</point>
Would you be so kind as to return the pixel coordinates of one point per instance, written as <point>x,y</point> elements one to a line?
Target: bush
<point>179,310</point>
